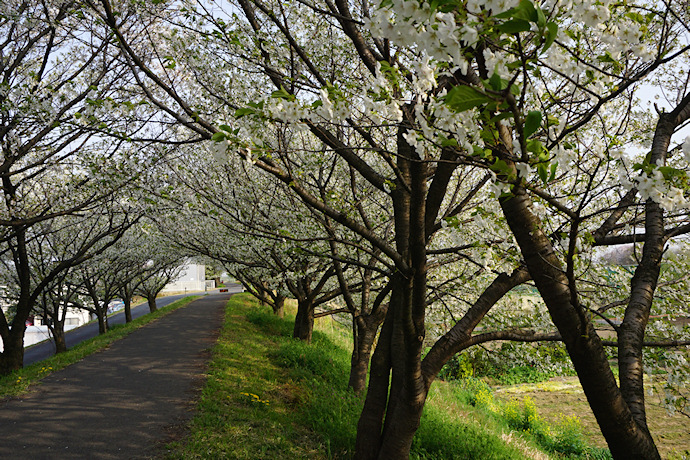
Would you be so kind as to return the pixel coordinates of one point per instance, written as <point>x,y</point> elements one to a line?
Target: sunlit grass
<point>269,396</point>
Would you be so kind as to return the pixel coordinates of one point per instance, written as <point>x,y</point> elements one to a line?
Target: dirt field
<point>563,396</point>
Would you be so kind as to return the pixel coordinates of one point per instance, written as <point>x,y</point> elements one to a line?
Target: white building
<point>191,278</point>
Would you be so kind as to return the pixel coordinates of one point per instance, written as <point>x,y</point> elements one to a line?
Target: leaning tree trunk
<point>304,321</point>
<point>626,439</point>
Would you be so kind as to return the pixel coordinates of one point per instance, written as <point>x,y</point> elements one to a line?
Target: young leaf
<point>532,122</point>
<point>461,98</point>
<point>239,113</point>
<point>218,137</point>
<point>543,171</point>
<point>514,26</point>
<point>282,94</point>
<point>549,35</point>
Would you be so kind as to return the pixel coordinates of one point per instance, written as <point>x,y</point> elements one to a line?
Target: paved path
<point>46,349</point>
<point>124,402</point>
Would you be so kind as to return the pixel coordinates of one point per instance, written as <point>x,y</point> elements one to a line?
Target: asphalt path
<point>125,402</point>
<point>46,349</point>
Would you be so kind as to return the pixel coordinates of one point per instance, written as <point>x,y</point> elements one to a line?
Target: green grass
<point>19,381</point>
<point>270,396</point>
<point>249,408</point>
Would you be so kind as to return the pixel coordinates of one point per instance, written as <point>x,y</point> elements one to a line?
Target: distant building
<point>191,278</point>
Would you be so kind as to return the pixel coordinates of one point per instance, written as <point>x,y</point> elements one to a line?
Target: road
<point>46,349</point>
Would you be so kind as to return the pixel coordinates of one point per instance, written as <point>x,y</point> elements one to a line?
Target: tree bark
<point>12,357</point>
<point>624,436</point>
<point>361,354</point>
<point>152,303</point>
<point>304,321</point>
<point>59,338</point>
<point>102,326</point>
<point>279,306</point>
<point>126,294</point>
<point>370,422</point>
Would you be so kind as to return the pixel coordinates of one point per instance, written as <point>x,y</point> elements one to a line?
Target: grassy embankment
<point>19,381</point>
<point>269,396</point>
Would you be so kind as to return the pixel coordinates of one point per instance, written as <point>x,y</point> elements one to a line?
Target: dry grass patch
<point>563,396</point>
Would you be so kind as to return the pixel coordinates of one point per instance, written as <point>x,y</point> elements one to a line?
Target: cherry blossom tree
<point>433,108</point>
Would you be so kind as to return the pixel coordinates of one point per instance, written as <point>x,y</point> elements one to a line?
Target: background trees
<point>429,146</point>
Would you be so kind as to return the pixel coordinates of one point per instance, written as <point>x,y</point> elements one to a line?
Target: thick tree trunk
<point>626,439</point>
<point>304,321</point>
<point>12,357</point>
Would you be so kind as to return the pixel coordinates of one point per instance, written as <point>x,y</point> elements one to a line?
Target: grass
<point>268,396</point>
<point>19,381</point>
<point>563,397</point>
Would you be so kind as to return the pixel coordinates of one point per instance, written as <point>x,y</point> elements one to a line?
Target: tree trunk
<point>370,422</point>
<point>625,438</point>
<point>279,306</point>
<point>102,326</point>
<point>128,309</point>
<point>361,354</point>
<point>58,332</point>
<point>126,294</point>
<point>12,357</point>
<point>304,321</point>
<point>152,303</point>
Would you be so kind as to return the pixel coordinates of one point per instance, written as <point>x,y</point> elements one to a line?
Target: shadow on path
<point>120,403</point>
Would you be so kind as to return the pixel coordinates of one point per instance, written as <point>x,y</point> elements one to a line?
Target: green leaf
<point>226,128</point>
<point>550,35</point>
<point>670,172</point>
<point>239,113</point>
<point>282,93</point>
<point>461,98</point>
<point>501,116</point>
<point>526,11</point>
<point>506,14</point>
<point>635,16</point>
<point>501,167</point>
<point>554,166</point>
<point>535,146</point>
<point>445,142</point>
<point>514,26</point>
<point>542,169</point>
<point>218,137</point>
<point>532,123</point>
<point>541,19</point>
